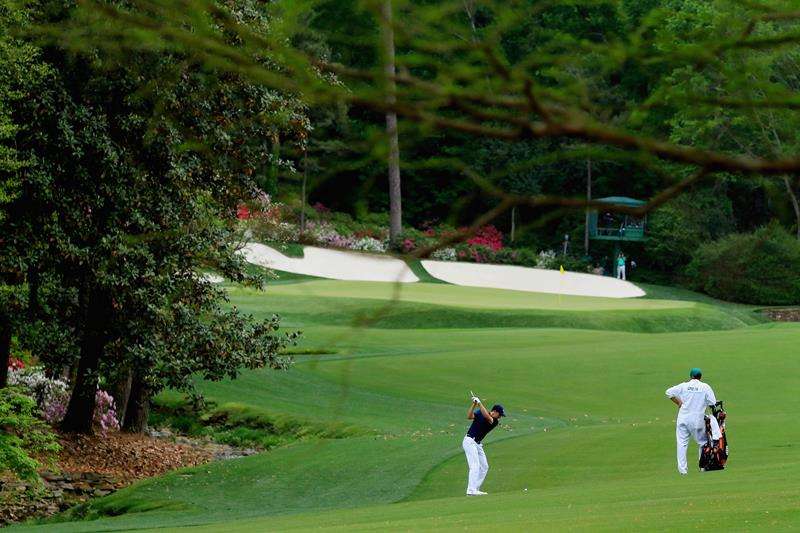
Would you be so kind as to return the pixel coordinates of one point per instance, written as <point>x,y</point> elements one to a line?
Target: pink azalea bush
<point>264,219</point>
<point>487,236</point>
<point>54,409</point>
<point>324,234</point>
<point>105,411</point>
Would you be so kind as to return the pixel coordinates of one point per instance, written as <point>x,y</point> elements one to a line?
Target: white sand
<point>332,264</point>
<point>530,279</point>
<point>356,266</point>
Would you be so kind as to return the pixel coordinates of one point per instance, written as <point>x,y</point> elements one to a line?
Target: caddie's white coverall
<point>695,396</point>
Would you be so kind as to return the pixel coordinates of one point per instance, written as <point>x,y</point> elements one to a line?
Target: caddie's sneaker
<point>475,493</point>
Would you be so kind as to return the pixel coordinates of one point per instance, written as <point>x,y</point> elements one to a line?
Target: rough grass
<point>589,433</point>
<point>749,314</point>
<point>416,267</point>
<point>242,425</point>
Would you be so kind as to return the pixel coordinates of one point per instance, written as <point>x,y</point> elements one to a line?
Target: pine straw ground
<point>126,457</point>
<point>95,465</point>
<point>784,315</point>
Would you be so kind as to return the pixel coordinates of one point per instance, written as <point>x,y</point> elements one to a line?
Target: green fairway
<point>590,434</point>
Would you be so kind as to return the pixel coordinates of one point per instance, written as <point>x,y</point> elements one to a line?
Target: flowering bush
<point>339,241</point>
<point>15,364</point>
<point>369,244</point>
<point>474,253</point>
<point>324,234</point>
<point>264,218</point>
<point>52,397</point>
<point>105,412</point>
<point>480,254</point>
<point>547,259</point>
<point>319,207</point>
<point>487,236</point>
<point>444,254</point>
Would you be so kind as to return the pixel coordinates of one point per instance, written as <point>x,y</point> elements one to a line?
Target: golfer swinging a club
<point>483,421</point>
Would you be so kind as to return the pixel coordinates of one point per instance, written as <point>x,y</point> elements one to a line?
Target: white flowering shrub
<point>52,395</point>
<point>368,244</point>
<point>444,254</point>
<point>546,259</point>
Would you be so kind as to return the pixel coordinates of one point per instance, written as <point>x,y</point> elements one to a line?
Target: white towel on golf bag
<point>716,433</point>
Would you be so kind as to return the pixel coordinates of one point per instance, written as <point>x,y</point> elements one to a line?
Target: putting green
<point>471,297</point>
<point>308,304</point>
<point>590,434</point>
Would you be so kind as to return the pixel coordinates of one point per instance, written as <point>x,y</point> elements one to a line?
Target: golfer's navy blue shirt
<point>480,426</point>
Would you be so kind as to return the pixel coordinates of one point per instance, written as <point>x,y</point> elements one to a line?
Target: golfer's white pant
<point>621,272</point>
<point>685,428</point>
<point>476,460</point>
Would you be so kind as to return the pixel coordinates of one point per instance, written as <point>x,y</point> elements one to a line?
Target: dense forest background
<point>667,99</point>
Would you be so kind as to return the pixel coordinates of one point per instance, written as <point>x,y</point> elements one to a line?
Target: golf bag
<point>714,453</point>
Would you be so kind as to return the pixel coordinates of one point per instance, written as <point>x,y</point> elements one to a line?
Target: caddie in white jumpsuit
<point>483,421</point>
<point>693,397</point>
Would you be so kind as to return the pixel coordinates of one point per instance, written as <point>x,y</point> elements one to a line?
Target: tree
<point>395,192</point>
<point>20,67</point>
<point>758,268</point>
<point>679,227</point>
<point>732,112</point>
<point>129,216</point>
<point>542,78</point>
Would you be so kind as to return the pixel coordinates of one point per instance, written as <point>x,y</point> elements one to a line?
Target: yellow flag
<point>562,269</point>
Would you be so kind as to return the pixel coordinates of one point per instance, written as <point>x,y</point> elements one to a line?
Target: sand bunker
<point>355,266</point>
<point>530,279</point>
<point>332,264</point>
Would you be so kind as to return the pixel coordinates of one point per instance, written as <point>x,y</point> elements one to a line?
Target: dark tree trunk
<point>121,391</point>
<point>588,198</point>
<point>395,194</point>
<point>138,408</point>
<point>303,198</point>
<point>5,348</point>
<point>795,203</point>
<point>80,410</point>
